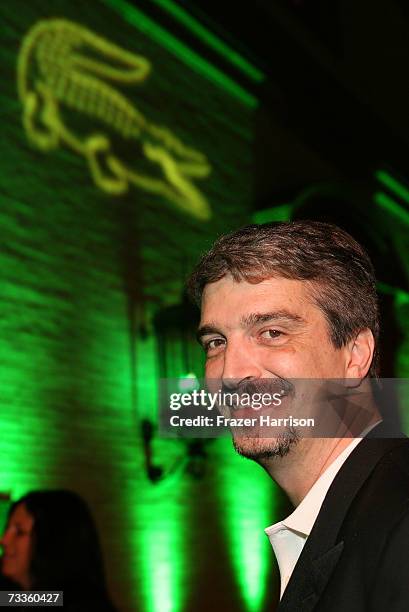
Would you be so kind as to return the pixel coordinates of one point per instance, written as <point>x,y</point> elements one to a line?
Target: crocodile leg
<point>40,111</point>
<point>111,179</point>
<point>185,194</point>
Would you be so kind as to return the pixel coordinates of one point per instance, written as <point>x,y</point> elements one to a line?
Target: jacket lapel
<point>309,580</point>
<point>323,548</point>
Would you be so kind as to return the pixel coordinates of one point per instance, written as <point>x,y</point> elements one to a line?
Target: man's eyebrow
<point>204,330</point>
<point>284,316</point>
<point>254,318</point>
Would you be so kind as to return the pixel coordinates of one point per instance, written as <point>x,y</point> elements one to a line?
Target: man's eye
<point>271,334</point>
<point>212,344</point>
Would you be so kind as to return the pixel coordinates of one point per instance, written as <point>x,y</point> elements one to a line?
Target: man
<point>288,301</point>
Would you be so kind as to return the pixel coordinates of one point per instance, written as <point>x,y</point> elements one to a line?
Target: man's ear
<point>360,354</point>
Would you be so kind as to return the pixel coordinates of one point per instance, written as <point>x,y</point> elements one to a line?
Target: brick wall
<point>82,276</point>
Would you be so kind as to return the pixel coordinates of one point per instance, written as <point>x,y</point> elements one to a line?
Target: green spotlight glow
<point>210,39</point>
<point>401,297</point>
<point>162,557</point>
<point>23,418</point>
<point>392,207</point>
<point>159,511</point>
<point>392,184</point>
<point>246,497</point>
<point>147,378</point>
<point>137,18</point>
<point>276,213</point>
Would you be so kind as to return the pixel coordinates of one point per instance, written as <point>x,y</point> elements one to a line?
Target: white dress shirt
<point>289,536</point>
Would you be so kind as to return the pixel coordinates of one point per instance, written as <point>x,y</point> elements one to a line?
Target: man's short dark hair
<point>340,273</point>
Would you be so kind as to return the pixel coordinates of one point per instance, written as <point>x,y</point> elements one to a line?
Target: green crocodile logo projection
<point>64,67</point>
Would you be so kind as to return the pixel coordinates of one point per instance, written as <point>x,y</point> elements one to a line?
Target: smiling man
<point>289,302</point>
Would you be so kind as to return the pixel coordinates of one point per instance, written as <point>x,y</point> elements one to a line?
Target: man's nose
<point>239,365</point>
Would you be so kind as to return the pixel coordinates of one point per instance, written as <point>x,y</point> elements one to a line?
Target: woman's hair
<point>66,553</point>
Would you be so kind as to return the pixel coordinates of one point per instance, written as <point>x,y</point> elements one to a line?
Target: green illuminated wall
<point>84,269</point>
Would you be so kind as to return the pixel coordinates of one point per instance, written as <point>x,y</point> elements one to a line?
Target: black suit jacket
<point>356,558</point>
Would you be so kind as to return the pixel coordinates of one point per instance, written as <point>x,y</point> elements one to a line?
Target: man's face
<point>269,330</point>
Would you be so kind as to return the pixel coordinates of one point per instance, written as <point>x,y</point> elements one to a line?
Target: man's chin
<point>256,448</point>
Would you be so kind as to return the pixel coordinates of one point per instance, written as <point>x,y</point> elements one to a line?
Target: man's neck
<point>298,471</point>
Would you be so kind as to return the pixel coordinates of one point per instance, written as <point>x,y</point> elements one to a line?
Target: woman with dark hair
<point>51,543</point>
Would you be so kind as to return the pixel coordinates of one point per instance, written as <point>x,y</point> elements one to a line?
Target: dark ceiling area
<point>333,111</point>
<point>334,104</point>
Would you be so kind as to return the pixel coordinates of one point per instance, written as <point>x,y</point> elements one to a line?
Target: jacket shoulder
<point>380,506</point>
<point>386,490</point>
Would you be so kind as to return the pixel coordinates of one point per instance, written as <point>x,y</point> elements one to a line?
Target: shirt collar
<point>305,514</point>
<point>303,518</point>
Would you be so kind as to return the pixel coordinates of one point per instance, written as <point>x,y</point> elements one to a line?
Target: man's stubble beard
<point>253,447</point>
